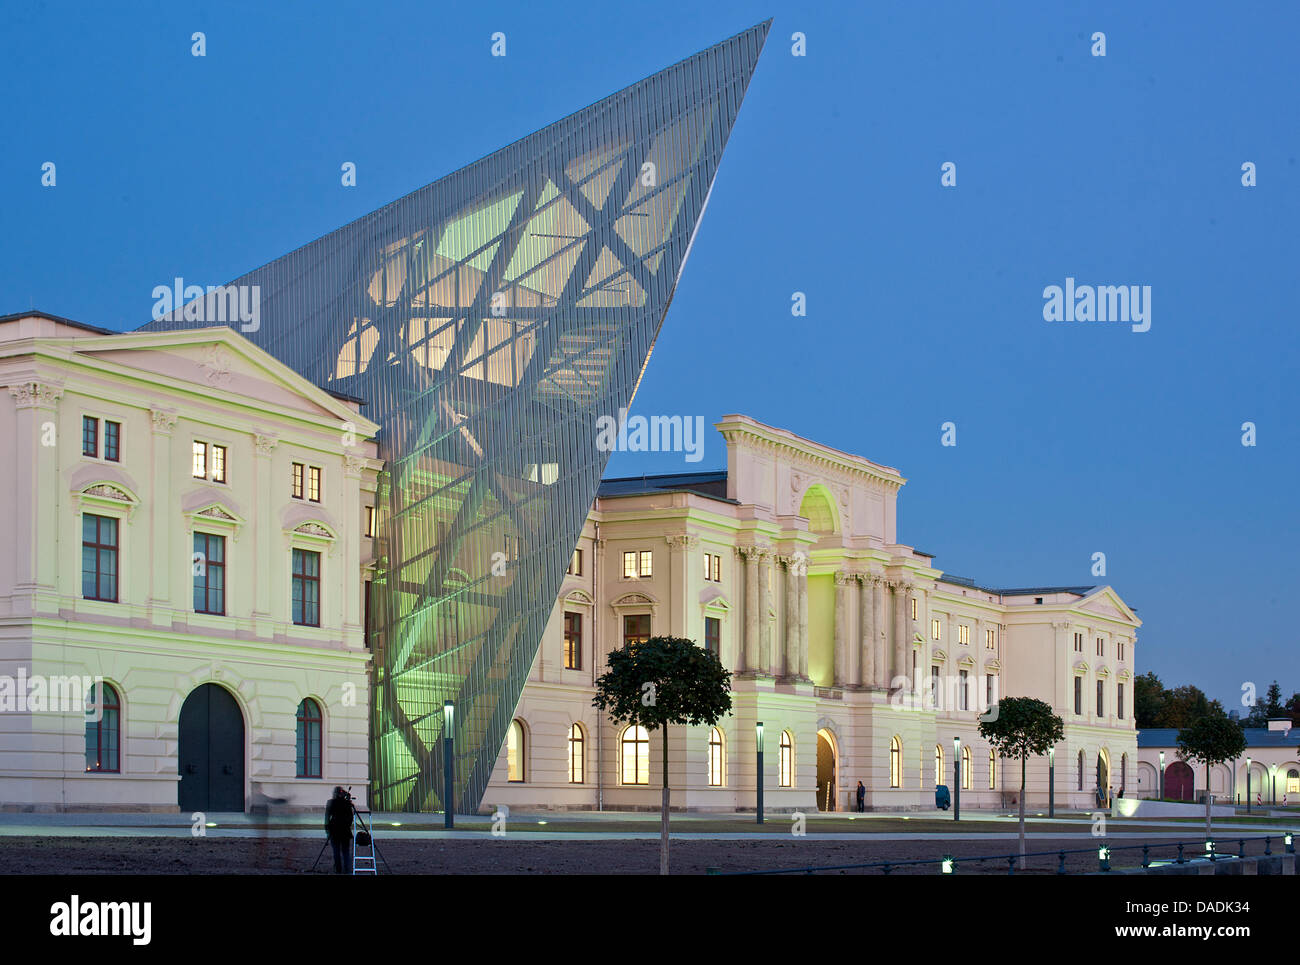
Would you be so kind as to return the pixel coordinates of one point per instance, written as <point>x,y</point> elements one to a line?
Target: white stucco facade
<point>165,392</point>
<point>832,627</point>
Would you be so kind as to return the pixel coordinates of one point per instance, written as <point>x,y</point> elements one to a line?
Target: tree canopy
<point>665,680</point>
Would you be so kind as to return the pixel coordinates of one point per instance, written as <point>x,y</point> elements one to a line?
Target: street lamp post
<point>1051,782</point>
<point>956,778</point>
<point>1272,781</point>
<point>758,729</point>
<point>1247,785</point>
<point>448,738</point>
<point>1162,775</point>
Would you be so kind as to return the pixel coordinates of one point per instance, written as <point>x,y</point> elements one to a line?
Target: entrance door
<point>825,772</point>
<point>211,751</point>
<point>1179,781</point>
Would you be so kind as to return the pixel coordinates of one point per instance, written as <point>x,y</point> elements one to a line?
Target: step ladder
<point>363,850</point>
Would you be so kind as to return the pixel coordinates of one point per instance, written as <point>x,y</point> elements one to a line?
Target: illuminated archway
<point>827,771</point>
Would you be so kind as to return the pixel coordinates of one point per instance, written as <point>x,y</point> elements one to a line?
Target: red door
<point>1179,781</point>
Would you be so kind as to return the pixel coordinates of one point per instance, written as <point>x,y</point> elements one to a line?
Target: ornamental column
<point>902,668</point>
<point>879,623</point>
<point>36,507</point>
<point>750,662</point>
<point>866,676</point>
<point>266,557</point>
<point>765,659</point>
<point>791,661</point>
<point>803,620</point>
<point>841,629</point>
<point>163,422</point>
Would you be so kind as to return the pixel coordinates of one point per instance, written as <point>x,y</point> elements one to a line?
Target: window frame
<point>713,642</point>
<point>116,441</point>
<point>577,748</point>
<point>572,640</point>
<point>895,762</point>
<point>785,760</point>
<point>113,740</point>
<point>208,566</point>
<point>90,436</point>
<point>305,579</point>
<point>297,480</point>
<point>97,547</point>
<point>717,758</point>
<point>520,752</point>
<point>640,749</point>
<point>638,637</point>
<point>303,740</point>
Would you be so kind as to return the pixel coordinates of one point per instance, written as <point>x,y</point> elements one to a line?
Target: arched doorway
<point>1103,777</point>
<point>827,778</point>
<point>1179,781</point>
<point>211,751</point>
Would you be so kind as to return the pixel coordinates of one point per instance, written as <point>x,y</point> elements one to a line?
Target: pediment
<point>1105,602</point>
<point>578,598</point>
<point>635,599</point>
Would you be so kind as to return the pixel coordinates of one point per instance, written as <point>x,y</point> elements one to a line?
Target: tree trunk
<point>663,830</point>
<point>1022,812</point>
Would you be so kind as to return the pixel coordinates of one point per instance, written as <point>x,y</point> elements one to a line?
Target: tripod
<point>353,834</point>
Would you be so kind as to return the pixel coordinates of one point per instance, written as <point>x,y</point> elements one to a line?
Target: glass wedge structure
<point>488,320</point>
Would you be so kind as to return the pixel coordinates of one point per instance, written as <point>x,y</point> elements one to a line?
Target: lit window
<point>309,739</point>
<point>209,574</point>
<point>199,460</point>
<point>112,441</point>
<point>895,762</point>
<point>306,588</point>
<point>299,475</point>
<point>313,483</point>
<point>965,769</point>
<point>938,764</point>
<point>219,464</point>
<point>963,634</point>
<point>713,567</point>
<point>636,628</point>
<point>717,568</point>
<point>370,520</point>
<point>572,641</point>
<point>89,436</point>
<point>629,565</point>
<point>1293,781</point>
<point>643,562</point>
<point>990,639</point>
<point>575,564</point>
<point>993,769</point>
<point>99,558</point>
<point>934,629</point>
<point>785,772</point>
<point>715,757</point>
<point>103,735</point>
<point>577,755</point>
<point>913,608</point>
<point>713,636</point>
<point>515,752</point>
<point>635,756</point>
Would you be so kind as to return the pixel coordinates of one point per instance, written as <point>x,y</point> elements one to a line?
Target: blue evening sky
<point>924,302</point>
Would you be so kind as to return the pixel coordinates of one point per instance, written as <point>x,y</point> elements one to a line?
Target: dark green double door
<point>211,751</point>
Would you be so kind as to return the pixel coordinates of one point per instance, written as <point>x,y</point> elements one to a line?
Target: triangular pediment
<point>1104,601</point>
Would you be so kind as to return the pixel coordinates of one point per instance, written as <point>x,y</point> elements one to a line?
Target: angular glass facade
<point>488,320</point>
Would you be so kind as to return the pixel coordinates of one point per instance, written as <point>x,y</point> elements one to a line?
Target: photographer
<point>338,828</point>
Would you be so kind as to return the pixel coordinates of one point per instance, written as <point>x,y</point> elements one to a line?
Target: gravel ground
<point>118,855</point>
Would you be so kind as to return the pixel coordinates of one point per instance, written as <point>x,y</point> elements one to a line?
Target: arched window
<point>895,762</point>
<point>1081,767</point>
<point>938,764</point>
<point>515,752</point>
<point>1123,771</point>
<point>786,776</point>
<point>635,755</point>
<point>993,769</point>
<point>309,738</point>
<point>577,755</point>
<point>965,768</point>
<point>103,729</point>
<point>1293,781</point>
<point>715,758</point>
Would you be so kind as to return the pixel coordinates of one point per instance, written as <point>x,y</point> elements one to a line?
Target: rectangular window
<point>629,565</point>
<point>1101,710</point>
<point>313,483</point>
<point>209,574</point>
<point>1120,647</point>
<point>306,588</point>
<point>963,634</point>
<point>713,636</point>
<point>199,460</point>
<point>913,608</point>
<point>218,464</point>
<point>717,569</point>
<point>965,689</point>
<point>935,700</point>
<point>989,696</point>
<point>572,641</point>
<point>1078,695</point>
<point>1101,648</point>
<point>713,567</point>
<point>112,441</point>
<point>575,564</point>
<point>99,558</point>
<point>643,562</point>
<point>299,476</point>
<point>636,628</point>
<point>990,639</point>
<point>1078,643</point>
<point>934,630</point>
<point>370,520</point>
<point>1119,701</point>
<point>89,436</point>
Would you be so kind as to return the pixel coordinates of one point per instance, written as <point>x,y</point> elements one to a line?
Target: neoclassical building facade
<point>861,659</point>
<point>187,528</point>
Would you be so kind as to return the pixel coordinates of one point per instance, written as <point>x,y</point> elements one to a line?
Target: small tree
<point>666,680</point>
<point>1214,739</point>
<point>1021,728</point>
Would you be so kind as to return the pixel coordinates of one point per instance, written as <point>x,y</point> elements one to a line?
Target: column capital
<point>265,442</point>
<point>36,395</point>
<point>842,578</point>
<point>681,541</point>
<point>352,465</point>
<point>164,421</point>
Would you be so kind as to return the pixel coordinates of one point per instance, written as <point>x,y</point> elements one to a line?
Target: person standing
<point>862,797</point>
<point>338,828</point>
